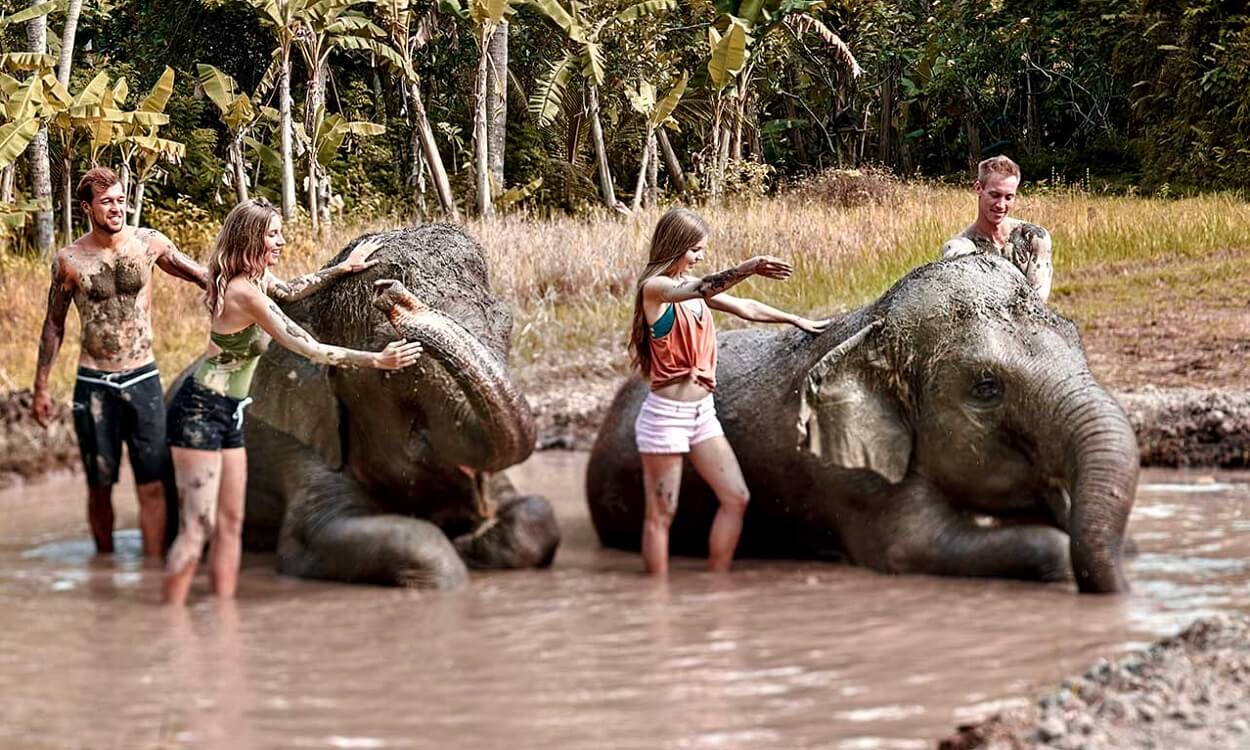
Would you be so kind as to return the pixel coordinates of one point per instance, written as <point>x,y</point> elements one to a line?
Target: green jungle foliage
<point>1153,93</point>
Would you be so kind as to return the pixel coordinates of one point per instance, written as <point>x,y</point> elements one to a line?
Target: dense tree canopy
<point>1153,93</point>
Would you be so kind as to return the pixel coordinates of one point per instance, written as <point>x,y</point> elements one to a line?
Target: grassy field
<point>1124,266</point>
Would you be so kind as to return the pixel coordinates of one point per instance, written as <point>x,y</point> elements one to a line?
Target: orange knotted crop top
<point>682,346</point>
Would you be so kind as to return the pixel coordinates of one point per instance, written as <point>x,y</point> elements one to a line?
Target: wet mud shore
<point>1187,691</point>
<point>1176,427</point>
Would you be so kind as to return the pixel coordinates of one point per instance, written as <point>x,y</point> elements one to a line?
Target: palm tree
<point>407,36</point>
<point>285,18</point>
<point>585,55</point>
<point>487,16</point>
<point>40,168</point>
<point>238,115</point>
<point>324,26</point>
<point>658,113</point>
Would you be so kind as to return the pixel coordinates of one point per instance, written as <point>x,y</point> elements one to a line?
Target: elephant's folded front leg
<point>386,549</point>
<point>955,544</point>
<point>523,533</point>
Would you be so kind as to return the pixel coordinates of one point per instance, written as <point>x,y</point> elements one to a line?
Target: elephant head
<point>456,413</point>
<point>961,377</point>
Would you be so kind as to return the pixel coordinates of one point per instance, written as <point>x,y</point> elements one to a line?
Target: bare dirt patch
<point>1188,691</point>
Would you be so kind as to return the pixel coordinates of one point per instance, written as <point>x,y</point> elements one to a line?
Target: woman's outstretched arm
<point>666,289</point>
<point>758,312</point>
<point>302,286</point>
<point>397,354</point>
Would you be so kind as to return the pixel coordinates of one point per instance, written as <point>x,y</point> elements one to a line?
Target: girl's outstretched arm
<point>302,286</point>
<point>753,310</point>
<point>666,289</point>
<point>288,333</point>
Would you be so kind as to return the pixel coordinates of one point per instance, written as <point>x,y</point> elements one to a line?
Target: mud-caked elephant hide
<point>394,477</point>
<point>950,428</point>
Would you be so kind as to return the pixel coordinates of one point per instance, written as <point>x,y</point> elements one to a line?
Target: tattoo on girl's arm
<point>301,287</point>
<point>713,284</point>
<point>302,343</point>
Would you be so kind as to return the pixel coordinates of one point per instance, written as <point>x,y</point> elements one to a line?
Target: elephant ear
<point>846,419</point>
<point>294,396</point>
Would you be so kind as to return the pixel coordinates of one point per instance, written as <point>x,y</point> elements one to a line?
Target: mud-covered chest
<point>124,276</point>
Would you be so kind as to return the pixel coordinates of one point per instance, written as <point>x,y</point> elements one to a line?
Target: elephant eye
<point>987,388</point>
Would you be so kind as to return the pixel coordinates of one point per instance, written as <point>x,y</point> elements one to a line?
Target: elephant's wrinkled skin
<point>950,428</point>
<point>391,477</point>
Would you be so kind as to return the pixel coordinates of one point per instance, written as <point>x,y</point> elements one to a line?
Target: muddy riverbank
<point>1187,691</point>
<point>1176,427</point>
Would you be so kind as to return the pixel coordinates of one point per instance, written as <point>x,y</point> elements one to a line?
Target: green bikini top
<point>229,372</point>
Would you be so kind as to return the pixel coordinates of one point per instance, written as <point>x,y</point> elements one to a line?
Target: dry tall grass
<point>570,279</point>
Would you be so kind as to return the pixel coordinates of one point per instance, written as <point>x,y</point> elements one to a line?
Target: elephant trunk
<point>493,427</point>
<point>1100,467</point>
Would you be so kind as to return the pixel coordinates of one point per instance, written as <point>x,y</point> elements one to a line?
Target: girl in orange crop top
<point>673,343</point>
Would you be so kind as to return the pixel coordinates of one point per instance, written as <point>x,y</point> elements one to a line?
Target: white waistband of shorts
<point>651,395</point>
<point>123,385</point>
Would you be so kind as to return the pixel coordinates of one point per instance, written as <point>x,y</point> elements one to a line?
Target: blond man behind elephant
<point>1024,244</point>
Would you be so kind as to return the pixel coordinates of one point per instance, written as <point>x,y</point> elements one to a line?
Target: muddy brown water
<point>589,654</point>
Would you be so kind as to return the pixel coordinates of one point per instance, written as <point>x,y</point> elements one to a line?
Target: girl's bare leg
<point>715,461</point>
<point>227,547</point>
<point>198,475</point>
<point>661,479</point>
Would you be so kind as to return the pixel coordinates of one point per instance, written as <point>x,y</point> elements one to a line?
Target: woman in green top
<point>205,418</point>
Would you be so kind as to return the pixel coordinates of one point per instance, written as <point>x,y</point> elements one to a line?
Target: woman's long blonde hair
<point>239,249</point>
<point>676,232</point>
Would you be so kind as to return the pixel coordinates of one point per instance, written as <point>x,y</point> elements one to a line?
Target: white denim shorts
<point>668,426</point>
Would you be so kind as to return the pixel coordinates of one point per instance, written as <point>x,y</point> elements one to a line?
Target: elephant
<point>396,477</point>
<point>951,427</point>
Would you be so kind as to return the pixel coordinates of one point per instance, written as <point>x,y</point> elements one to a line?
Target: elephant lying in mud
<point>364,475</point>
<point>952,427</point>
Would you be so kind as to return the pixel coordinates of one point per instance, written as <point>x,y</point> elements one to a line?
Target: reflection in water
<point>587,654</point>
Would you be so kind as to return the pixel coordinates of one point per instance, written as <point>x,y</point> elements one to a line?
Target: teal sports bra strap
<point>664,323</point>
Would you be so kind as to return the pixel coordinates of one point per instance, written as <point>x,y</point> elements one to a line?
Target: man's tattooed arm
<point>60,295</point>
<point>174,262</point>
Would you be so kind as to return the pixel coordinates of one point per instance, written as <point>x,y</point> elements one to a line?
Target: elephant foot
<point>522,534</point>
<point>386,549</point>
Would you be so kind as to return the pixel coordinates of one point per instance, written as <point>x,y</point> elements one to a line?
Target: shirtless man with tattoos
<point>107,275</point>
<point>1027,245</point>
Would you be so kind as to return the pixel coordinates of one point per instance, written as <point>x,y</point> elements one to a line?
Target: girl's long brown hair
<point>239,249</point>
<point>676,232</point>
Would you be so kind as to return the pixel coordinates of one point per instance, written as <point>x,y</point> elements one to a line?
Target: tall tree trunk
<point>37,152</point>
<point>314,112</point>
<point>67,41</point>
<point>67,199</point>
<point>481,162</point>
<point>7,178</point>
<point>739,116</point>
<point>642,173</point>
<point>653,172</point>
<point>885,147</point>
<point>284,128</point>
<point>670,161</point>
<point>1033,120</point>
<point>429,149</point>
<point>601,151</point>
<point>240,173</point>
<point>311,194</point>
<point>138,201</point>
<point>974,141</point>
<point>497,101</point>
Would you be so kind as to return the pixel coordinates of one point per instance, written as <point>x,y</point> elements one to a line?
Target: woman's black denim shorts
<point>203,419</point>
